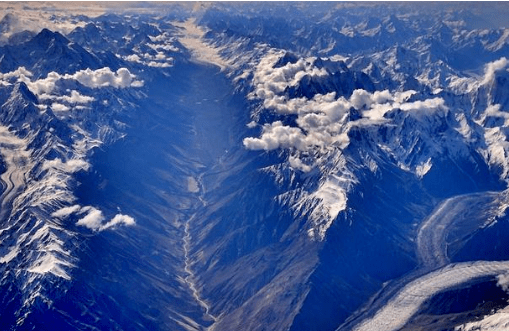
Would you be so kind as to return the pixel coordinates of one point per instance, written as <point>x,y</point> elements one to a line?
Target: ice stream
<point>393,307</point>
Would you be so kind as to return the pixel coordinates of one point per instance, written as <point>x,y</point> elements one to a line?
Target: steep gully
<point>399,300</point>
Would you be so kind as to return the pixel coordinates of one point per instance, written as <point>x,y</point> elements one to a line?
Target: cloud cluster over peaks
<point>323,121</point>
<point>157,55</point>
<point>104,77</point>
<point>99,78</point>
<point>314,129</point>
<point>45,88</point>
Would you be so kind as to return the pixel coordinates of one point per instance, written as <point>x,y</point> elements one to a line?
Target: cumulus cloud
<point>425,105</point>
<point>21,71</point>
<point>104,77</point>
<point>94,219</point>
<point>163,41</point>
<point>166,47</point>
<point>361,99</point>
<point>43,85</point>
<point>160,60</point>
<point>503,281</point>
<point>160,56</point>
<point>133,58</point>
<point>490,69</point>
<point>44,88</point>
<point>58,107</point>
<point>323,120</point>
<point>155,64</point>
<point>270,80</point>
<point>66,211</point>
<point>119,219</point>
<point>277,135</point>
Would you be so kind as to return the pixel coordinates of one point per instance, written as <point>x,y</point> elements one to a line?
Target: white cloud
<point>133,58</point>
<point>160,60</point>
<point>21,71</point>
<point>76,97</point>
<point>491,68</point>
<point>503,281</point>
<point>361,99</point>
<point>425,105</point>
<point>277,135</point>
<point>159,38</point>
<point>119,219</point>
<point>66,211</point>
<point>93,220</point>
<point>322,120</point>
<point>269,81</point>
<point>104,77</point>
<point>168,47</point>
<point>44,85</point>
<point>58,107</point>
<point>155,64</point>
<point>164,42</point>
<point>148,56</point>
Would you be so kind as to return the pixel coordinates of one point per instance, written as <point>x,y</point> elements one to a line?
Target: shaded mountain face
<point>255,167</point>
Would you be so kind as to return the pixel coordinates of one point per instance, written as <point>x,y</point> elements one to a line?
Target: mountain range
<point>255,166</point>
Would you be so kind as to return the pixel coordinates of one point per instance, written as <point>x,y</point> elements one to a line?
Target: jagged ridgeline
<point>254,166</point>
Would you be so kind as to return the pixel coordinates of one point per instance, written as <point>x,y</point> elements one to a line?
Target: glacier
<point>254,166</point>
